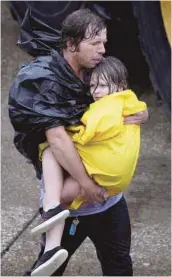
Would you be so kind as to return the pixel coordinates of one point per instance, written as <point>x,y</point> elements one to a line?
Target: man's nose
<point>102,49</point>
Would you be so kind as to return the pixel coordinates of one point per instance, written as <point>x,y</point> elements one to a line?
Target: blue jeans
<point>110,233</point>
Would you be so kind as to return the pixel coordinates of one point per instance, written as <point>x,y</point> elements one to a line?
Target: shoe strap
<point>52,212</point>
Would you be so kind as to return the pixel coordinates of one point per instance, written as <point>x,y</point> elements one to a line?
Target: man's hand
<point>93,193</point>
<point>138,118</point>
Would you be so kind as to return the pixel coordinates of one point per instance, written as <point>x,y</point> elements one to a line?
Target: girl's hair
<point>113,71</point>
<point>76,24</point>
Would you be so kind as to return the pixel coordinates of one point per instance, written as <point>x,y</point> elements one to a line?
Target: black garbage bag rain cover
<point>46,93</point>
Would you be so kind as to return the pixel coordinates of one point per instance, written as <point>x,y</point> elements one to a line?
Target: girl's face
<point>99,87</point>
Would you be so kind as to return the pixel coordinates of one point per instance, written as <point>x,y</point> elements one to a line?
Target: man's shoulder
<point>38,61</point>
<point>39,68</point>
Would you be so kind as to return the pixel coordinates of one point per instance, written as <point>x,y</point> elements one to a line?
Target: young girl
<point>108,148</point>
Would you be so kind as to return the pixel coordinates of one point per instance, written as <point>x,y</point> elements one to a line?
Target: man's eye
<point>94,43</point>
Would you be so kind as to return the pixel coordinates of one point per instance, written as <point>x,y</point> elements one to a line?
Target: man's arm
<point>138,118</point>
<point>66,154</point>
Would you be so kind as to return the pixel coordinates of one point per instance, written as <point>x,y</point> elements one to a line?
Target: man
<point>106,223</point>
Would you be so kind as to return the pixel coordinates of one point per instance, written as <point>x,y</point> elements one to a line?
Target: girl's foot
<point>51,218</point>
<point>50,261</point>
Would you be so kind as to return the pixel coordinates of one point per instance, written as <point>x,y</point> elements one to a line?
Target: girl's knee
<point>70,190</point>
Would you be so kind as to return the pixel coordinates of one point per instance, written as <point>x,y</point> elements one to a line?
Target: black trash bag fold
<point>36,37</point>
<point>45,93</point>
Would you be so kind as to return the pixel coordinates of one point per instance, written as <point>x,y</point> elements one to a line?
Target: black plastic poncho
<point>45,93</point>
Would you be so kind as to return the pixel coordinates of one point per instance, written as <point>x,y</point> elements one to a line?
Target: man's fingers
<point>129,118</point>
<point>102,196</point>
<point>139,113</point>
<point>106,195</point>
<point>95,196</point>
<point>133,122</point>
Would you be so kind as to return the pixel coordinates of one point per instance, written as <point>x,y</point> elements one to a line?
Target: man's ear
<point>70,46</point>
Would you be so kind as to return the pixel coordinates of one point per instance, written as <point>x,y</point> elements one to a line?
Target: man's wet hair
<point>76,24</point>
<point>113,71</point>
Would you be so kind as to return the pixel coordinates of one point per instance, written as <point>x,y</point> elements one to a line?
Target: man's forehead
<point>101,35</point>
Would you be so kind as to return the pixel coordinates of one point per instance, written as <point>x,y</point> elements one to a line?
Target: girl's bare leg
<point>54,191</point>
<point>69,193</point>
<point>53,180</point>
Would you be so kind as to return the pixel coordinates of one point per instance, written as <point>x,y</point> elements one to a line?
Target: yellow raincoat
<point>109,148</point>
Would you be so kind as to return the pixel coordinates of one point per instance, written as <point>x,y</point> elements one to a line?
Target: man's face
<point>91,50</point>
